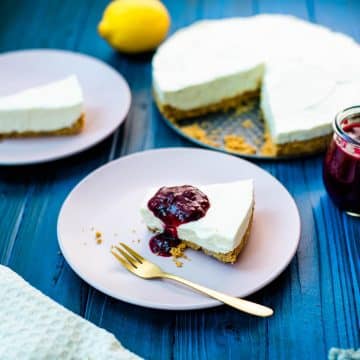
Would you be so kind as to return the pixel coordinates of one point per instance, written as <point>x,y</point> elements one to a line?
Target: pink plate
<point>108,201</point>
<point>106,94</point>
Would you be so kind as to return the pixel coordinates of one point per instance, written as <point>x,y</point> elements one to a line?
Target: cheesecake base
<point>174,114</point>
<point>305,147</point>
<point>74,129</point>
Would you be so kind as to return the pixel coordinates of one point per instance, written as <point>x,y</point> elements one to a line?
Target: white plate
<point>106,94</point>
<point>108,201</point>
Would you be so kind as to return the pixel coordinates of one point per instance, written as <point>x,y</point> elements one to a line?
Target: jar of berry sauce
<point>342,162</point>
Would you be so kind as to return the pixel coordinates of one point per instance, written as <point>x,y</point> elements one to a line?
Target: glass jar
<point>341,170</point>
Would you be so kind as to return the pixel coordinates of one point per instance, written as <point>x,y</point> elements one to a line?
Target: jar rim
<point>341,115</point>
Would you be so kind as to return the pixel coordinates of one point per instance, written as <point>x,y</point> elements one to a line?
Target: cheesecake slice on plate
<point>213,218</point>
<point>52,109</point>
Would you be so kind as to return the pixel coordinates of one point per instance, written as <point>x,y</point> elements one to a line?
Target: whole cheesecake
<point>303,73</point>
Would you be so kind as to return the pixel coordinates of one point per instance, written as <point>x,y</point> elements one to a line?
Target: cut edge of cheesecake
<point>228,257</point>
<point>75,128</point>
<point>305,147</point>
<point>231,256</point>
<point>175,114</point>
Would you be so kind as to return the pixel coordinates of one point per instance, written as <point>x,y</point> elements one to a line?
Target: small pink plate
<point>106,95</point>
<point>108,201</point>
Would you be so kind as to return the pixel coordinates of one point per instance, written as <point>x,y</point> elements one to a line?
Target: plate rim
<point>210,303</point>
<point>127,96</point>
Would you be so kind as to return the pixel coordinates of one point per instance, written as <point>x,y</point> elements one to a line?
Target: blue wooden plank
<point>34,231</point>
<point>344,265</point>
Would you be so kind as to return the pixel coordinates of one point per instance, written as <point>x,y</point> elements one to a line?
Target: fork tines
<point>128,257</point>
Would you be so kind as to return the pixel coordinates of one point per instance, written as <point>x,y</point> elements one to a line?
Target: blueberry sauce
<point>174,206</point>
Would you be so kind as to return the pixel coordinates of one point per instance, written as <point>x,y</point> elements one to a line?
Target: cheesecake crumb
<point>178,263</point>
<point>268,148</point>
<point>196,132</point>
<point>133,231</point>
<point>238,144</point>
<point>138,240</point>
<point>116,234</point>
<point>92,228</point>
<point>257,141</point>
<point>178,252</point>
<point>245,106</point>
<point>98,237</point>
<point>247,124</point>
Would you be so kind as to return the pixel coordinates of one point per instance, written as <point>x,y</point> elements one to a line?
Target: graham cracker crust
<point>231,256</point>
<point>174,114</point>
<point>305,147</point>
<point>75,128</point>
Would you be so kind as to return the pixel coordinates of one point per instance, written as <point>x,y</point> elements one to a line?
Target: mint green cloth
<point>32,326</point>
<point>344,354</point>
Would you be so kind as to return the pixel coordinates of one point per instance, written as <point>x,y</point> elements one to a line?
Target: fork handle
<point>239,304</point>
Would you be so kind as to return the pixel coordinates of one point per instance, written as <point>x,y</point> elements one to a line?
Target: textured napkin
<point>32,326</point>
<point>344,354</point>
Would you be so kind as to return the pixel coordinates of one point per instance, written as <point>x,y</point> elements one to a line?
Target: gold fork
<point>145,269</point>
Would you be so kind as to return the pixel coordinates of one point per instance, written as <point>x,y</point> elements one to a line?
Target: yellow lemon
<point>134,26</point>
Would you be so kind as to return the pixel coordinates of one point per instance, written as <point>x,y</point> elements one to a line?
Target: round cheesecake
<point>304,74</point>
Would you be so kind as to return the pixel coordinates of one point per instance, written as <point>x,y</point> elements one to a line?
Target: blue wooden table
<point>317,298</point>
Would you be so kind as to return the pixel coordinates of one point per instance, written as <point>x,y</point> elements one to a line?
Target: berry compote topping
<point>341,170</point>
<point>174,206</point>
<point>353,130</point>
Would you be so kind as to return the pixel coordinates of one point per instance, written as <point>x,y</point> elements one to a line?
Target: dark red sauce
<point>342,168</point>
<point>174,206</point>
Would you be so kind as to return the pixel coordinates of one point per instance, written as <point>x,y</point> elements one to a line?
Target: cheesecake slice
<point>213,218</point>
<point>51,109</point>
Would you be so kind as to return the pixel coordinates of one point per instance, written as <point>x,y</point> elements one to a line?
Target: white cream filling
<point>45,108</point>
<point>225,223</point>
<point>309,73</point>
<point>214,91</point>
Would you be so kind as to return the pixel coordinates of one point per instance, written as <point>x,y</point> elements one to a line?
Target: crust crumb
<point>268,148</point>
<point>98,237</point>
<point>196,132</point>
<point>238,144</point>
<point>247,124</point>
<point>178,263</point>
<point>178,252</point>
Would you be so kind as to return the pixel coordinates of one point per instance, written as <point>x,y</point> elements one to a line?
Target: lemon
<point>134,26</point>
